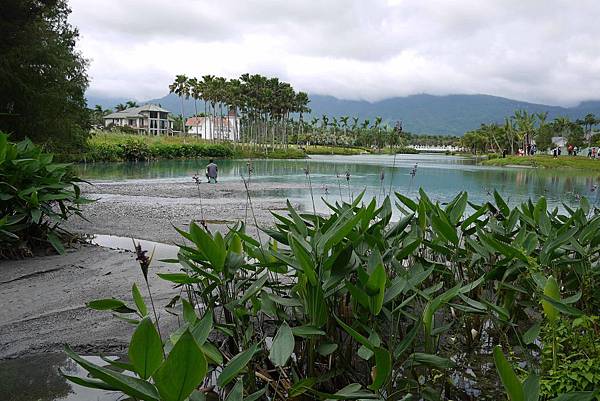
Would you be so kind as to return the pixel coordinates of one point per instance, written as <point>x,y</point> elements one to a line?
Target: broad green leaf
<point>501,205</point>
<point>301,386</point>
<point>531,334</point>
<point>412,205</point>
<point>182,371</point>
<point>302,255</point>
<point>551,291</point>
<point>56,243</point>
<point>237,392</point>
<point>283,345</point>
<point>179,278</point>
<point>189,314</point>
<point>307,331</point>
<point>434,361</point>
<point>327,348</point>
<point>235,365</point>
<point>202,328</point>
<point>561,306</point>
<point>256,395</point>
<point>139,300</point>
<point>145,349</point>
<point>355,334</point>
<point>110,304</point>
<point>443,227</point>
<point>89,383</point>
<point>254,288</point>
<point>376,288</point>
<point>131,386</point>
<point>383,368</point>
<point>510,381</point>
<point>212,353</point>
<point>531,387</point>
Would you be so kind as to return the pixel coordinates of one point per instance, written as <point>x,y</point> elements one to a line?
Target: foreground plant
<point>354,306</point>
<point>36,196</point>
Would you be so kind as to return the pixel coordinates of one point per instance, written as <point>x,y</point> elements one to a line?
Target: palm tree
<point>196,93</point>
<point>131,103</point>
<point>525,125</point>
<point>120,107</point>
<point>588,122</point>
<point>180,88</point>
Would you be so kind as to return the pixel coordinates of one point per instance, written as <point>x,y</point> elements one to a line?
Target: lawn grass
<point>547,161</point>
<point>118,146</point>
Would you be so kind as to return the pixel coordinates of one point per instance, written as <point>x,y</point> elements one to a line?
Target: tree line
<point>522,129</point>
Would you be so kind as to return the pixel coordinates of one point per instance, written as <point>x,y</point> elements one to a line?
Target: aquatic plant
<point>355,306</point>
<point>36,195</point>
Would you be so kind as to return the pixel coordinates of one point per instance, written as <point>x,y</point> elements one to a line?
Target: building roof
<point>134,112</point>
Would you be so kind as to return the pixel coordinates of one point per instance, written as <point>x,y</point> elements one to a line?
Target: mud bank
<point>43,298</point>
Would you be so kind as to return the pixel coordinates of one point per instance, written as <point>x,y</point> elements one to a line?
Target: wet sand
<point>43,298</point>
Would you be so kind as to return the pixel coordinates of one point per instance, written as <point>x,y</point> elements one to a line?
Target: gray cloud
<point>536,50</point>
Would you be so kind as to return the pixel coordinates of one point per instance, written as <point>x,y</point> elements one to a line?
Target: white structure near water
<point>149,119</point>
<point>211,127</point>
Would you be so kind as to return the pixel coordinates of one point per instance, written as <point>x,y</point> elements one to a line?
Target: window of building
<point>153,114</point>
<point>131,122</point>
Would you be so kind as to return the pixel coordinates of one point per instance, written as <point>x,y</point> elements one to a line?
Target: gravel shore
<point>43,298</point>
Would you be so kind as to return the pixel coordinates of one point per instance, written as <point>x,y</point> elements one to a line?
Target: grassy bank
<point>111,147</point>
<point>114,147</point>
<point>546,161</point>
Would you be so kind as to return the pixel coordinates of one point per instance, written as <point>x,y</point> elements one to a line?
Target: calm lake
<point>442,177</point>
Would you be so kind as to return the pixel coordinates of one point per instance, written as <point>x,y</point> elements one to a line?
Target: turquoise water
<point>442,177</point>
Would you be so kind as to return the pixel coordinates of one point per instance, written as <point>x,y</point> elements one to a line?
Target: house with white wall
<point>217,128</point>
<point>148,119</point>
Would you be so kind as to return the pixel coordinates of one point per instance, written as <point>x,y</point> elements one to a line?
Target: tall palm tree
<point>196,93</point>
<point>120,107</point>
<point>180,88</point>
<point>131,103</point>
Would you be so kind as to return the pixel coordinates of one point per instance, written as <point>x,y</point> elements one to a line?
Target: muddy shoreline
<point>43,298</point>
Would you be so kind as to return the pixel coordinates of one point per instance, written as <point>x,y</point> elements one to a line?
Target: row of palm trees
<point>522,129</point>
<point>271,114</point>
<point>264,106</point>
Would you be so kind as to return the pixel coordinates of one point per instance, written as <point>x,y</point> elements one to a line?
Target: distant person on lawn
<point>211,171</point>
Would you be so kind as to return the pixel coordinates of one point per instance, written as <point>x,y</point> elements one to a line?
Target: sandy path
<point>43,298</point>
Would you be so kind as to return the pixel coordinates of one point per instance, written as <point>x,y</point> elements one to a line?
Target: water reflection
<point>37,377</point>
<point>441,177</point>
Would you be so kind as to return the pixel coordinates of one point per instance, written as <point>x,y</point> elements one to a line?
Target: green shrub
<point>354,306</point>
<point>135,149</point>
<point>36,195</point>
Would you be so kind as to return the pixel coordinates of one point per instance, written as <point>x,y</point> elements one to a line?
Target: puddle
<point>37,378</point>
<point>161,251</point>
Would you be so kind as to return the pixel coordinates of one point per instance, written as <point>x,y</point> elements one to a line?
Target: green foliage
<point>36,195</point>
<point>578,355</point>
<point>354,306</point>
<point>545,161</point>
<point>42,75</point>
<point>139,148</point>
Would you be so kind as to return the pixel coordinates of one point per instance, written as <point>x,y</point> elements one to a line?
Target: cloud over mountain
<point>535,50</point>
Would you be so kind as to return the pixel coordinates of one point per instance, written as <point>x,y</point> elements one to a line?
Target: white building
<point>147,119</point>
<point>219,128</point>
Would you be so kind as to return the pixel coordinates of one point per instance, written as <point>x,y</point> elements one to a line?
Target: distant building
<point>147,119</point>
<point>221,128</point>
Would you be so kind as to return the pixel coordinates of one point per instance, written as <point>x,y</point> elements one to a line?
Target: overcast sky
<point>535,50</point>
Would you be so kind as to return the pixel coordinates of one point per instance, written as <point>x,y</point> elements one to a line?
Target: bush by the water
<point>355,306</point>
<point>36,195</point>
<point>138,149</point>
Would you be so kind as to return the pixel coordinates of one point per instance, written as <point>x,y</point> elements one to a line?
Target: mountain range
<point>420,114</point>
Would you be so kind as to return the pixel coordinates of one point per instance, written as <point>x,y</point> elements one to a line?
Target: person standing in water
<point>211,171</point>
